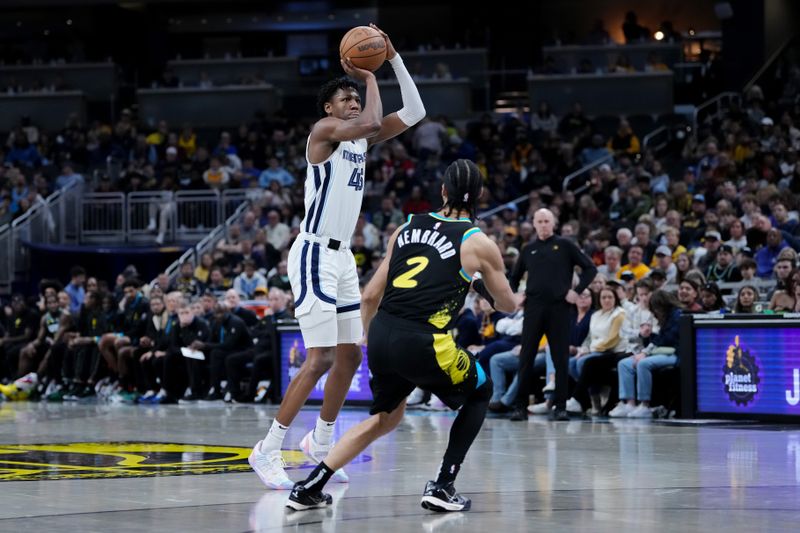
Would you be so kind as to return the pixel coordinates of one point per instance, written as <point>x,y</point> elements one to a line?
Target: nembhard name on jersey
<point>355,158</point>
<point>433,238</point>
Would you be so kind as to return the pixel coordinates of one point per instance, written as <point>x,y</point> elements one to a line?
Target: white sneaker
<point>270,468</point>
<point>317,452</point>
<point>622,410</point>
<point>539,409</point>
<point>573,406</point>
<point>261,392</point>
<point>641,411</point>
<point>151,226</point>
<point>416,397</point>
<point>435,404</point>
<point>551,386</point>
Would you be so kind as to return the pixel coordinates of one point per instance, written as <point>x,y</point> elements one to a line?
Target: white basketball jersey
<point>334,190</point>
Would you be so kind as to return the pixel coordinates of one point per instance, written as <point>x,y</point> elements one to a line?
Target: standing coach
<point>549,261</point>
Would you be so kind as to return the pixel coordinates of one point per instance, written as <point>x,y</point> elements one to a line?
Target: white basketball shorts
<point>326,294</point>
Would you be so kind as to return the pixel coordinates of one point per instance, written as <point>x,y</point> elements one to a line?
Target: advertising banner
<point>748,370</point>
<point>293,353</point>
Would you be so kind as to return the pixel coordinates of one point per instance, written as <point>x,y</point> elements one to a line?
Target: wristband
<point>480,287</point>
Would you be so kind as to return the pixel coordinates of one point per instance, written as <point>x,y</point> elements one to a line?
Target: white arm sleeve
<point>413,109</point>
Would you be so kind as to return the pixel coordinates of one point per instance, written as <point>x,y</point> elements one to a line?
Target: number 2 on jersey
<point>406,280</point>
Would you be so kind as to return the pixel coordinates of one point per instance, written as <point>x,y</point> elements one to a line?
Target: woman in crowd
<point>746,300</point>
<point>737,237</point>
<point>796,308</point>
<point>689,294</point>
<point>659,213</point>
<point>204,268</point>
<point>636,330</point>
<point>597,285</point>
<point>783,300</point>
<point>605,339</point>
<point>636,372</point>
<point>684,265</point>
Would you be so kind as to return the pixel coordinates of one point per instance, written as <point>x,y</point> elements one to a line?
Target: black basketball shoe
<point>443,498</point>
<point>301,499</point>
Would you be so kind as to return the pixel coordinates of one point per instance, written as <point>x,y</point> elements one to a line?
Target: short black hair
<point>45,284</point>
<point>77,271</point>
<point>327,91</point>
<point>463,182</point>
<point>133,282</point>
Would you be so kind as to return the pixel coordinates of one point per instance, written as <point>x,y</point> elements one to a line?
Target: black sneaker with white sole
<point>443,498</point>
<point>301,499</point>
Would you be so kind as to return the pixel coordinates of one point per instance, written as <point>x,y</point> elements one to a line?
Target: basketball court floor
<point>184,468</point>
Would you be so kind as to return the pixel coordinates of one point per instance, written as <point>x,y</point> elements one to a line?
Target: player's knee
<point>351,357</point>
<point>321,361</point>
<point>388,421</point>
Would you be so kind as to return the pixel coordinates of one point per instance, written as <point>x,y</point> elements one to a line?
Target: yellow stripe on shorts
<point>454,362</point>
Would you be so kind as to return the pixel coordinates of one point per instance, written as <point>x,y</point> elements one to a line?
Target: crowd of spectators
<point>12,85</point>
<point>156,343</point>
<point>722,209</point>
<point>170,80</point>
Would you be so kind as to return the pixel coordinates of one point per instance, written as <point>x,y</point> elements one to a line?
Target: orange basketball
<point>365,47</point>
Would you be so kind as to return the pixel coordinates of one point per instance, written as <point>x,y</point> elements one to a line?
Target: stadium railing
<point>102,218</point>
<point>49,220</point>
<point>144,212</point>
<point>567,180</point>
<point>208,242</point>
<point>656,139</point>
<point>715,107</point>
<point>105,218</point>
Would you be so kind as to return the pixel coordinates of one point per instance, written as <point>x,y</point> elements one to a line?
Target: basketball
<point>365,47</point>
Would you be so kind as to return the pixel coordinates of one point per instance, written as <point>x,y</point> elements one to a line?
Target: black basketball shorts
<point>403,355</point>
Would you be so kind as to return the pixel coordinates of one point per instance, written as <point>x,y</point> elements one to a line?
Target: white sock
<point>274,439</point>
<point>324,431</point>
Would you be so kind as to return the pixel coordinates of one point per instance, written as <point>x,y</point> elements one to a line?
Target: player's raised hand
<point>390,51</point>
<point>354,72</point>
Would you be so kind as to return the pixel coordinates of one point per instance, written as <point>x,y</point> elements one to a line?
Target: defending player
<point>420,287</point>
<point>322,269</point>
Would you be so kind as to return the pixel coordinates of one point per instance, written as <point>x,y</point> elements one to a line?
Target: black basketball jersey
<point>426,283</point>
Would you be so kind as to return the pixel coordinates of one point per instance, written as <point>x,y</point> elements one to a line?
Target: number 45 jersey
<point>426,283</point>
<point>334,190</point>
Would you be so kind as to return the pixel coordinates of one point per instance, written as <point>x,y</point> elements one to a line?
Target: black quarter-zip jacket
<point>550,264</point>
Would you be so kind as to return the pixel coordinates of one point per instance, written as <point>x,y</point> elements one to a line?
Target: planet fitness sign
<point>743,370</point>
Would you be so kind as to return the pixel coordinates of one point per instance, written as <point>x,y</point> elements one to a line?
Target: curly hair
<point>327,91</point>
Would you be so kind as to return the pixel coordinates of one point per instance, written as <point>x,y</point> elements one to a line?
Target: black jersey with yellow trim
<point>426,283</point>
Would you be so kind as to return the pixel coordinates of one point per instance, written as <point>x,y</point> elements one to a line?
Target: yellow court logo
<point>89,460</point>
